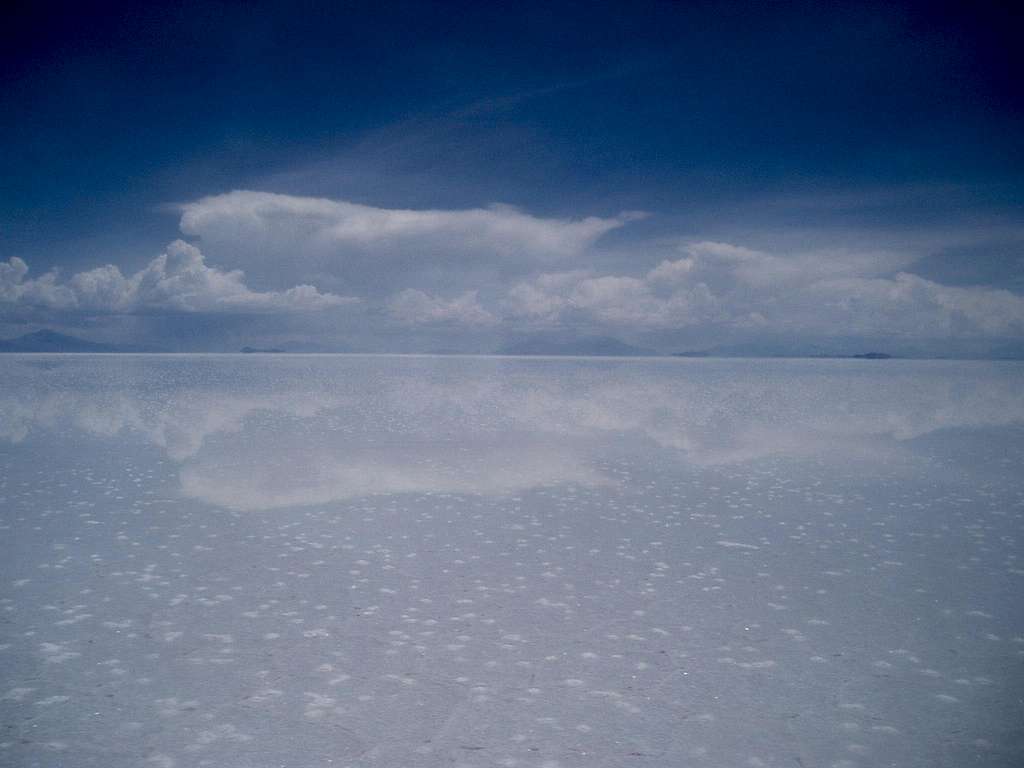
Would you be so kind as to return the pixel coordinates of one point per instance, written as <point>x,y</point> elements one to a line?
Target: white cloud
<point>177,280</point>
<point>41,291</point>
<point>440,268</point>
<point>671,272</point>
<point>352,247</point>
<point>817,293</point>
<point>498,228</point>
<point>664,298</point>
<point>413,307</point>
<point>625,301</point>
<point>910,305</point>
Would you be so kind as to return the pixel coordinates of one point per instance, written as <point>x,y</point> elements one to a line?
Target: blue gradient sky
<point>822,173</point>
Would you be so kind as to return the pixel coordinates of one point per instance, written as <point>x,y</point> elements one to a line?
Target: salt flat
<point>436,561</point>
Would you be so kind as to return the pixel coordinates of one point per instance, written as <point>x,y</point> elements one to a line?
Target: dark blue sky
<point>783,128</point>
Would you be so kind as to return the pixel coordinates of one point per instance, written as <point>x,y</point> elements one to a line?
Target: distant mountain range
<point>600,346</point>
<point>953,349</point>
<point>588,346</point>
<point>814,355</point>
<point>51,341</point>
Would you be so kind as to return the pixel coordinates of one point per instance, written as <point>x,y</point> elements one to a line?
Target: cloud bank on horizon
<point>503,268</point>
<point>177,280</point>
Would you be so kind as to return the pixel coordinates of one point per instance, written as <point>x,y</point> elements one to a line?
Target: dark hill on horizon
<point>51,341</point>
<point>603,346</point>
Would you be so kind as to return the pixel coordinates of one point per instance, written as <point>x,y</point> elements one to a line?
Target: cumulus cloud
<point>502,269</point>
<point>723,284</point>
<point>413,307</point>
<point>666,297</point>
<point>178,280</point>
<point>497,229</point>
<point>911,305</point>
<point>42,291</point>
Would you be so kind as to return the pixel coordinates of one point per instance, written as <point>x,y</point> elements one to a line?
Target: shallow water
<point>401,561</point>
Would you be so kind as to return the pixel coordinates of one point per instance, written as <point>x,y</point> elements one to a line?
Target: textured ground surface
<point>361,561</point>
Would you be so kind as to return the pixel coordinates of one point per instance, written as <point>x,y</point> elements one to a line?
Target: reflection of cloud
<point>349,427</point>
<point>731,417</point>
<point>258,482</point>
<point>179,425</point>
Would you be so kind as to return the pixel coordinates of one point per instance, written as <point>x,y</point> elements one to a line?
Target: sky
<point>416,177</point>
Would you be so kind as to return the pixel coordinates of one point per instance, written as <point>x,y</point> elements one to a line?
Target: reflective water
<point>311,561</point>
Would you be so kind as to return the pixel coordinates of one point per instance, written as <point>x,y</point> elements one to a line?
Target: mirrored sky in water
<point>497,561</point>
<point>262,432</point>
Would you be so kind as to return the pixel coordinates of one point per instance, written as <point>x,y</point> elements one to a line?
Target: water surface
<point>400,561</point>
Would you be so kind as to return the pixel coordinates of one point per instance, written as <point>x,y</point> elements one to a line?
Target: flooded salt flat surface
<point>381,561</point>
